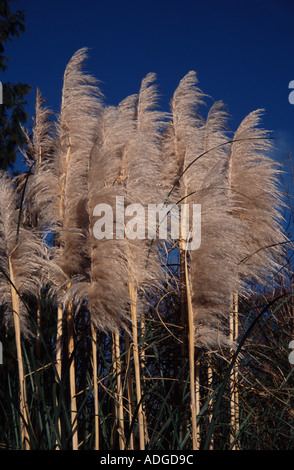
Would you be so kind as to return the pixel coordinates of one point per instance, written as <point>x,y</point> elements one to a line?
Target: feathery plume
<point>60,185</point>
<point>40,145</point>
<point>253,184</point>
<point>198,147</point>
<point>213,264</point>
<point>123,163</point>
<point>39,149</point>
<point>23,257</point>
<point>186,124</point>
<point>81,104</point>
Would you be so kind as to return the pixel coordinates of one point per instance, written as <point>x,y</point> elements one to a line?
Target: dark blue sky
<point>242,51</point>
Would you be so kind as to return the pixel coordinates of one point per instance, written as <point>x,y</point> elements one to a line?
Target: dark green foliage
<point>11,25</point>
<point>12,116</point>
<point>12,111</point>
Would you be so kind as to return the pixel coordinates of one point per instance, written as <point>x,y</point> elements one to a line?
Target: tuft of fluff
<point>39,147</point>
<point>38,155</point>
<point>213,266</point>
<point>242,237</point>
<point>253,179</point>
<point>184,126</point>
<point>213,273</point>
<point>125,162</point>
<point>23,257</point>
<point>80,107</point>
<point>195,147</point>
<point>236,185</point>
<point>59,186</point>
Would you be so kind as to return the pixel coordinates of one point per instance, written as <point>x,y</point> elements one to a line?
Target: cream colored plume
<point>253,179</point>
<point>213,266</point>
<point>60,184</point>
<point>124,163</point>
<point>23,258</point>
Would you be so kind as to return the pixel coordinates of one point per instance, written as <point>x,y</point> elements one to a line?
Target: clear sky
<point>242,51</point>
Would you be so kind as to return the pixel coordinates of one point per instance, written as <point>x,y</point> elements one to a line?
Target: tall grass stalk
<point>136,355</point>
<point>24,418</point>
<point>233,325</point>
<point>58,356</point>
<point>194,378</point>
<point>119,394</point>
<point>72,378</point>
<point>95,385</point>
<point>130,391</point>
<point>210,403</point>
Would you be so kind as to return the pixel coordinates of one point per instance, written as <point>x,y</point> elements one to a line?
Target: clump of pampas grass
<point>91,154</point>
